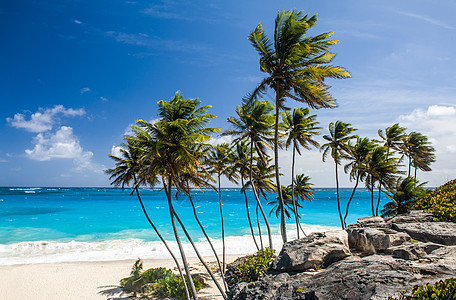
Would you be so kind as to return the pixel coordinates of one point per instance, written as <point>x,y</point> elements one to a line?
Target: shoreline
<point>86,279</point>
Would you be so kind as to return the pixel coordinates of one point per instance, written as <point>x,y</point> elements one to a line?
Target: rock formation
<point>372,259</point>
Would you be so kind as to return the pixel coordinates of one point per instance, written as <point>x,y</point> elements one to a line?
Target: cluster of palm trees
<point>174,152</point>
<point>376,162</point>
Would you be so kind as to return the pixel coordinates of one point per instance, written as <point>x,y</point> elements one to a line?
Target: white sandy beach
<point>83,280</point>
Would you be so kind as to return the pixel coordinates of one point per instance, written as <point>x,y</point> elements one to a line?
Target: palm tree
<point>302,190</point>
<point>393,137</point>
<point>402,196</point>
<point>126,173</point>
<point>297,66</point>
<point>277,208</point>
<point>174,144</point>
<point>419,151</point>
<point>253,125</point>
<point>381,170</point>
<point>337,145</point>
<point>299,127</point>
<point>357,155</point>
<point>219,162</point>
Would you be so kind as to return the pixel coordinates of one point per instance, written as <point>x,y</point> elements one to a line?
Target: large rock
<point>319,249</point>
<point>377,222</point>
<point>443,233</point>
<point>414,251</point>
<point>414,216</point>
<point>373,240</point>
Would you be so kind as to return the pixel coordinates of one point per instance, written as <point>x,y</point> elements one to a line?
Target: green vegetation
<point>441,202</point>
<point>157,282</point>
<point>252,267</point>
<point>441,290</point>
<point>403,196</point>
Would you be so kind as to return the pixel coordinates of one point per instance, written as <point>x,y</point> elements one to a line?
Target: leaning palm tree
<point>253,125</point>
<point>127,172</point>
<point>219,162</point>
<point>402,196</point>
<point>297,66</point>
<point>419,152</point>
<point>302,190</point>
<point>173,145</point>
<point>337,146</point>
<point>392,137</point>
<point>357,155</point>
<point>300,128</point>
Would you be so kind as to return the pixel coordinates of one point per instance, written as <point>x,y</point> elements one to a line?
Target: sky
<point>75,74</point>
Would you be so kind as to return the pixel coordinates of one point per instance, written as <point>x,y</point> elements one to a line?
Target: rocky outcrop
<point>374,259</point>
<point>321,250</point>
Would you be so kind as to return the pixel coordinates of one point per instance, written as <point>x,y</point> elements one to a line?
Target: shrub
<point>441,290</point>
<point>250,268</point>
<point>441,202</point>
<point>159,282</point>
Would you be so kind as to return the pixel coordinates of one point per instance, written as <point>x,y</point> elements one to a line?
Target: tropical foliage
<point>441,290</point>
<point>402,196</point>
<point>441,202</point>
<point>250,268</point>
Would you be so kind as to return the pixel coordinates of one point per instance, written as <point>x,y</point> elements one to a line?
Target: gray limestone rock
<point>443,233</point>
<point>373,240</point>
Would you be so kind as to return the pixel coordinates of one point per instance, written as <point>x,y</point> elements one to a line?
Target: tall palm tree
<point>337,146</point>
<point>357,155</point>
<point>289,209</point>
<point>297,66</point>
<point>173,146</point>
<point>253,125</point>
<point>219,162</point>
<point>402,196</point>
<point>300,128</point>
<point>126,172</point>
<point>392,137</point>
<point>381,170</point>
<point>419,151</point>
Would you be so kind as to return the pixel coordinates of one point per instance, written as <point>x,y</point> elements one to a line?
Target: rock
<point>414,216</point>
<point>414,251</point>
<point>373,240</point>
<point>443,233</point>
<point>371,222</point>
<point>319,249</point>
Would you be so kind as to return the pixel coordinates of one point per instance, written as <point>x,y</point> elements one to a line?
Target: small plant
<point>441,290</point>
<point>440,202</point>
<point>252,267</point>
<point>299,291</point>
<point>157,282</point>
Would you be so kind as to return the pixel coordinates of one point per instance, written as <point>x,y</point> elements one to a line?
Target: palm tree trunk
<point>378,200</point>
<point>283,228</point>
<point>195,214</point>
<point>223,227</point>
<point>372,194</point>
<point>259,226</point>
<point>409,165</point>
<point>257,198</point>
<point>415,173</point>
<point>164,242</point>
<point>248,213</point>
<point>338,199</point>
<point>200,257</point>
<point>349,200</point>
<point>176,235</point>
<point>292,190</point>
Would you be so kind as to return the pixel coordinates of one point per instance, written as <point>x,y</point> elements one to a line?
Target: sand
<point>83,280</point>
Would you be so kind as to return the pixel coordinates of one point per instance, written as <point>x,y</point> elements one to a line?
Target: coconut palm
<point>337,146</point>
<point>276,207</point>
<point>402,196</point>
<point>253,125</point>
<point>126,173</point>
<point>357,155</point>
<point>219,162</point>
<point>300,128</point>
<point>419,152</point>
<point>392,137</point>
<point>174,144</point>
<point>297,66</point>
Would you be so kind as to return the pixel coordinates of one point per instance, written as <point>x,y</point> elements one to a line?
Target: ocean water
<point>39,225</point>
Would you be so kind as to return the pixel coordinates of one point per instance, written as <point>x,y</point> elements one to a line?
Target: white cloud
<point>42,120</point>
<point>104,99</point>
<point>428,20</point>
<point>85,90</point>
<point>115,151</point>
<point>220,139</point>
<point>77,22</point>
<point>64,145</point>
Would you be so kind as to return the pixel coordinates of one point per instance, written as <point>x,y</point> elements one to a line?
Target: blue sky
<point>75,74</point>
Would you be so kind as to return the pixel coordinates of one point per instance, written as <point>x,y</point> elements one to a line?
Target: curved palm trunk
<point>338,199</point>
<point>248,213</point>
<point>349,200</point>
<point>195,214</point>
<point>257,198</point>
<point>372,194</point>
<point>219,287</point>
<point>378,200</point>
<point>164,242</point>
<point>283,228</point>
<point>415,173</point>
<point>176,235</point>
<point>295,209</point>
<point>259,226</point>
<point>223,227</point>
<point>409,165</point>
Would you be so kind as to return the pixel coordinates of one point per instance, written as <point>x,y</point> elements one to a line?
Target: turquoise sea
<point>83,224</point>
